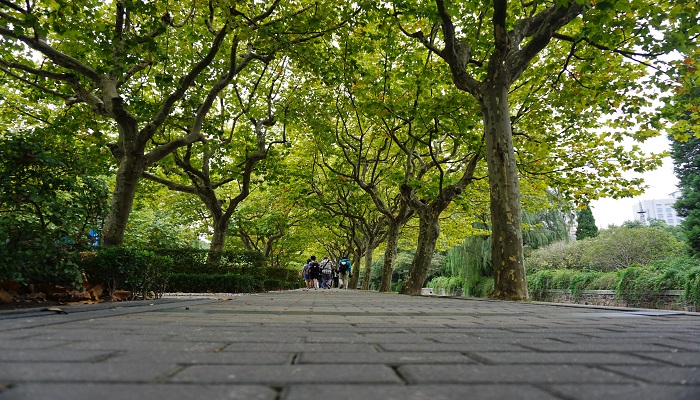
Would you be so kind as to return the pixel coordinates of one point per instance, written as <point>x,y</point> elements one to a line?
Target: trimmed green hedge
<point>194,261</point>
<point>142,271</point>
<point>137,270</point>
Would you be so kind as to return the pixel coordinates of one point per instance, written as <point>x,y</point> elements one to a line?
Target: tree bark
<point>506,231</point>
<point>218,240</point>
<point>367,273</point>
<point>392,242</point>
<point>429,230</point>
<point>129,172</point>
<point>507,62</point>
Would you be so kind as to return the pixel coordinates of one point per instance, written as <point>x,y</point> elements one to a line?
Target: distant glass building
<point>661,209</point>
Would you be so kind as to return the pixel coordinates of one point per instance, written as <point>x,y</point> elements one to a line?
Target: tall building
<point>658,209</point>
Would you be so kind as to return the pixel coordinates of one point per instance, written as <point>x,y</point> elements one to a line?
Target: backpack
<point>314,269</point>
<point>327,268</point>
<point>343,266</point>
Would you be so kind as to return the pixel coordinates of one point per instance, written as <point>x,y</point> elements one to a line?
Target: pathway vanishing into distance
<point>339,344</point>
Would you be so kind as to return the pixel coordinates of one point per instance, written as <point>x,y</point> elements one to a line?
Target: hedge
<point>142,271</point>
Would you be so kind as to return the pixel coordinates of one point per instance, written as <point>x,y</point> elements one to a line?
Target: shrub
<point>543,281</point>
<point>455,286</point>
<point>613,249</point>
<point>692,288</point>
<point>639,285</point>
<point>620,247</point>
<point>450,286</point>
<point>187,260</point>
<point>49,202</point>
<point>591,280</point>
<point>603,281</point>
<point>186,270</point>
<point>484,288</point>
<point>39,260</point>
<point>139,271</point>
<point>558,255</point>
<point>636,285</point>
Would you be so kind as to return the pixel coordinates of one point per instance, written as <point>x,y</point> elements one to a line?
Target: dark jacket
<point>340,266</point>
<point>315,270</point>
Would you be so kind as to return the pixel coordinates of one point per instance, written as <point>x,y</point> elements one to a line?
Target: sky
<point>662,182</point>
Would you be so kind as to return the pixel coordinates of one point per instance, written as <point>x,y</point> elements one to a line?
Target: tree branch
<point>185,83</point>
<point>541,29</point>
<point>54,55</point>
<point>170,184</point>
<point>13,6</point>
<point>624,53</point>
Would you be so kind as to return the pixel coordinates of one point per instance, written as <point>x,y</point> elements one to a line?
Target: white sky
<point>662,182</point>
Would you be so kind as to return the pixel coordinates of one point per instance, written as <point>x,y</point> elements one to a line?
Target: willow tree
<point>144,65</point>
<point>488,48</point>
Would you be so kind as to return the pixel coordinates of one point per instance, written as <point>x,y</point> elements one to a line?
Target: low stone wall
<point>669,300</point>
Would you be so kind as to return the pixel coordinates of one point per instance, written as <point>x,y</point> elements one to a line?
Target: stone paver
<point>347,345</point>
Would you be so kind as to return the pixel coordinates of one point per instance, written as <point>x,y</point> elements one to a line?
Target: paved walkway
<point>348,345</point>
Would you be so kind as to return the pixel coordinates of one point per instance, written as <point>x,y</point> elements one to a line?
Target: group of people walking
<point>326,274</point>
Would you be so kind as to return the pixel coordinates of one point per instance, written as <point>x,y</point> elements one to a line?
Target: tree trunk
<point>128,174</point>
<point>218,240</point>
<point>392,242</point>
<point>356,259</point>
<point>429,230</point>
<point>369,251</point>
<point>506,233</point>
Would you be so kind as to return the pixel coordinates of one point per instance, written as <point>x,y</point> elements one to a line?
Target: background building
<point>658,209</point>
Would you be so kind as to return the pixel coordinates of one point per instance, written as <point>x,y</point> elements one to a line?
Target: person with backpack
<point>307,274</point>
<point>314,272</point>
<point>344,272</point>
<point>326,273</point>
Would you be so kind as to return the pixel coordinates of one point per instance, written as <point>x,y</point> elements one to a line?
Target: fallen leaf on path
<point>223,298</point>
<point>5,297</point>
<point>54,309</point>
<point>120,295</point>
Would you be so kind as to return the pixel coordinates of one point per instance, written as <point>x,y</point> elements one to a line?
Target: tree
<point>362,228</point>
<point>681,113</point>
<point>228,143</point>
<point>266,223</point>
<point>119,60</point>
<point>686,161</point>
<point>362,152</point>
<point>586,226</point>
<point>471,260</point>
<point>401,138</point>
<point>488,66</point>
<point>543,227</point>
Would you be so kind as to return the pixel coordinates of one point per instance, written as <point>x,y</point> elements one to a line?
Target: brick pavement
<point>348,345</point>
